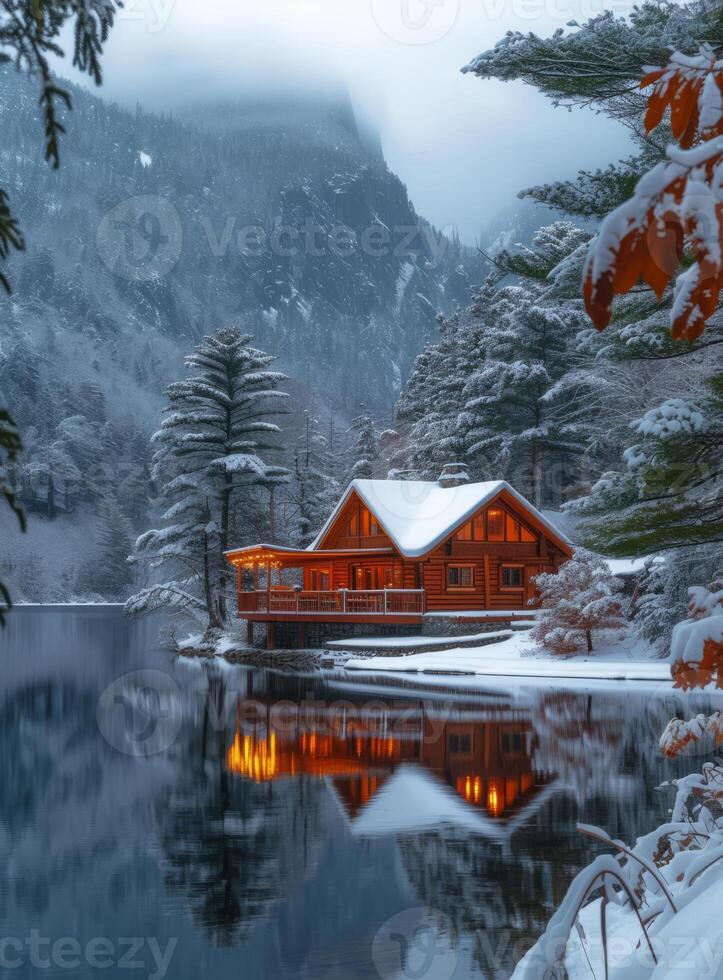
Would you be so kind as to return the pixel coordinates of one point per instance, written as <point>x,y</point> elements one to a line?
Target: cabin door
<point>318,579</point>
<point>367,578</point>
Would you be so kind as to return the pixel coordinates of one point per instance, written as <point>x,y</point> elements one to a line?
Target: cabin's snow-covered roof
<point>418,515</point>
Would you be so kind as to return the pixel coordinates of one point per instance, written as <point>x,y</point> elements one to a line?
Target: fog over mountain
<point>463,148</point>
<point>276,214</point>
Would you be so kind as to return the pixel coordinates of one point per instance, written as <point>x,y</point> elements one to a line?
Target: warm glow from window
<point>256,758</point>
<point>473,530</point>
<point>512,528</point>
<point>465,532</point>
<point>369,525</point>
<point>470,787</point>
<point>321,755</point>
<point>526,535</point>
<point>494,802</point>
<point>495,525</point>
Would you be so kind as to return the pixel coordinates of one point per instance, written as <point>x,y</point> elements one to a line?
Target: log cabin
<point>395,551</point>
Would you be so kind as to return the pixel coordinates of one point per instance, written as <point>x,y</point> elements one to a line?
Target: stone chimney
<point>453,475</point>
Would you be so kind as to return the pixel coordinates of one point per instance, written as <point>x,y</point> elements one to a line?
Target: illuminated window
<point>460,576</point>
<point>479,527</point>
<point>495,803</point>
<point>512,528</point>
<point>512,576</point>
<point>495,525</point>
<point>319,580</point>
<point>354,524</point>
<point>526,535</point>
<point>465,532</point>
<point>369,524</point>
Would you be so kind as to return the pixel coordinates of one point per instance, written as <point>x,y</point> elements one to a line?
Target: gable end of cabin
<point>490,560</point>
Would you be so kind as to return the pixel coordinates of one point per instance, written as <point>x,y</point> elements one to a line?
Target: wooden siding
<point>338,537</point>
<point>487,591</point>
<point>486,559</point>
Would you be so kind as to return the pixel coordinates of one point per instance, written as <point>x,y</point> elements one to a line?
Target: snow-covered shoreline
<point>518,656</point>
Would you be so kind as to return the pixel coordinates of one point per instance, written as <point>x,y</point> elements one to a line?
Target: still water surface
<point>160,819</point>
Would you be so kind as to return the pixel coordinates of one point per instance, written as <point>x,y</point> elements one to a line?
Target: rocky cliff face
<point>278,215</point>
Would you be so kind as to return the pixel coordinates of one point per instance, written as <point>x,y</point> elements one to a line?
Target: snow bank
<point>519,657</point>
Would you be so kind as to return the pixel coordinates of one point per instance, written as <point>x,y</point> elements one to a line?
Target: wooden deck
<point>342,605</point>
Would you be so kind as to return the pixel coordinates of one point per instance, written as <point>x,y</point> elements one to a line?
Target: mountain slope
<point>280,216</point>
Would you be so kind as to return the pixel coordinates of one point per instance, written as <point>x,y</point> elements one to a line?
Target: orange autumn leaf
<point>675,203</point>
<point>687,676</point>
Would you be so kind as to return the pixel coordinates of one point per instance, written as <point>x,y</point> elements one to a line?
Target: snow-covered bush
<point>662,592</point>
<point>696,647</point>
<point>581,598</point>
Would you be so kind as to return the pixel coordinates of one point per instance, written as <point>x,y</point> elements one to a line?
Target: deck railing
<point>350,602</point>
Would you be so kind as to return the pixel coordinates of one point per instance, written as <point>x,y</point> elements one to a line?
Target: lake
<point>175,819</point>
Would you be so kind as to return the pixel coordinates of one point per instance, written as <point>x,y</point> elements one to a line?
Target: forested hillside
<point>279,217</point>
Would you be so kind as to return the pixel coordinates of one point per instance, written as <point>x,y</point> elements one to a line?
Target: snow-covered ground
<point>519,656</point>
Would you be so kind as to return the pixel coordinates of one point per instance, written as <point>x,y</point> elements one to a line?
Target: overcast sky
<point>463,146</point>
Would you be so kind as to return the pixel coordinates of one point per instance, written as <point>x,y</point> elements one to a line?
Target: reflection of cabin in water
<point>400,768</point>
<point>394,550</point>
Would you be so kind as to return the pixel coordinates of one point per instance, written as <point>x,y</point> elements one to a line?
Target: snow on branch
<point>696,651</point>
<point>160,596</point>
<point>678,202</point>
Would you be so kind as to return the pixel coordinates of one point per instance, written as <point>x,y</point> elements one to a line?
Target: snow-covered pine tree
<point>527,399</point>
<point>364,455</point>
<point>581,598</point>
<point>210,456</point>
<point>10,446</point>
<point>109,573</point>
<point>662,590</point>
<point>599,64</point>
<point>429,407</point>
<point>506,388</point>
<point>28,35</point>
<point>668,496</point>
<point>515,430</point>
<point>314,490</point>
